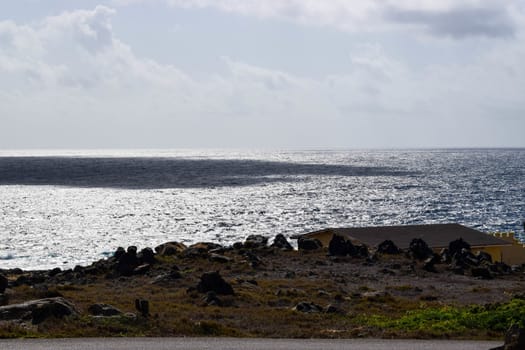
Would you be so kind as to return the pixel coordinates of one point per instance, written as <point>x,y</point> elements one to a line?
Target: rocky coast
<point>263,287</point>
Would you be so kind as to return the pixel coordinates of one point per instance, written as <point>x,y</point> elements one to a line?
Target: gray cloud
<point>459,22</point>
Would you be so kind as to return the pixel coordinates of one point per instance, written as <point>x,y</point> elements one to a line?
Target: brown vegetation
<point>342,296</point>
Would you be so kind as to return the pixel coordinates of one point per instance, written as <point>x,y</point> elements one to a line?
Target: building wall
<point>495,252</point>
<point>514,254</point>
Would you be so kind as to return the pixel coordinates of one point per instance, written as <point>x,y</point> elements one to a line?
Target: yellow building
<point>437,236</point>
<point>513,254</point>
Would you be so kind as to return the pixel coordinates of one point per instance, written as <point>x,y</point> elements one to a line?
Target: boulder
<point>167,278</point>
<point>457,246</point>
<point>170,248</point>
<point>482,256</point>
<point>142,306</point>
<point>31,279</point>
<point>465,259</point>
<point>146,256</point>
<point>207,246</point>
<point>219,258</point>
<point>419,249</point>
<point>141,269</point>
<point>309,244</point>
<point>119,252</point>
<point>95,269</point>
<point>3,283</point>
<point>332,309</point>
<point>445,255</point>
<point>213,281</point>
<point>360,251</point>
<point>127,262</point>
<point>500,268</point>
<point>38,310</point>
<point>429,265</point>
<point>200,250</point>
<point>255,241</point>
<point>237,245</point>
<point>103,310</point>
<point>211,298</point>
<point>307,307</point>
<point>388,247</point>
<point>337,246</point>
<point>54,272</point>
<point>281,242</point>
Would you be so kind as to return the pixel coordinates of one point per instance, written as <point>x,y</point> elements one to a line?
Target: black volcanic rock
<point>38,310</point>
<point>255,241</point>
<point>455,247</point>
<point>419,249</point>
<point>281,242</point>
<point>388,247</point>
<point>213,281</point>
<point>3,283</point>
<point>146,256</point>
<point>170,248</point>
<point>127,262</point>
<point>309,244</point>
<point>338,246</point>
<point>103,310</point>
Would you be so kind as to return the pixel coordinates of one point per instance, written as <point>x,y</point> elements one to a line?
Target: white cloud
<point>90,29</point>
<point>68,80</point>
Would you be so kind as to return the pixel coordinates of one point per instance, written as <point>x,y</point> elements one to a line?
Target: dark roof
<point>436,235</point>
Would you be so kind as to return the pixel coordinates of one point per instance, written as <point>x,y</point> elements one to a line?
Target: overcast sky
<point>262,74</point>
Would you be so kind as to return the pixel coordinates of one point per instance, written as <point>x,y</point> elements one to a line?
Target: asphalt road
<point>240,344</point>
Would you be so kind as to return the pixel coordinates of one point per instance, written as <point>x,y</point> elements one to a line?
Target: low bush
<point>454,320</point>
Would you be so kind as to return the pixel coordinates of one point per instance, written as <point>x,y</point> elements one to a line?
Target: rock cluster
<point>339,246</point>
<point>38,310</point>
<point>159,267</point>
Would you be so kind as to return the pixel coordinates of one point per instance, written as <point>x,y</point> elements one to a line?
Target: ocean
<point>67,208</point>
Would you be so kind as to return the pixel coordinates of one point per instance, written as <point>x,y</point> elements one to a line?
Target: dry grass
<point>264,299</point>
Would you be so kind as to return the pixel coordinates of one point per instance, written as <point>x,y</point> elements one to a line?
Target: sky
<point>277,74</point>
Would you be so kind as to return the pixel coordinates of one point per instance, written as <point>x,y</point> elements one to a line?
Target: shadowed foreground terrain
<point>254,289</point>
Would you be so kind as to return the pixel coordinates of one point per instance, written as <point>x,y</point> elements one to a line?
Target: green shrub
<point>448,319</point>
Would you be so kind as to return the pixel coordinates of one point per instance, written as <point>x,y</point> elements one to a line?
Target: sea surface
<point>63,208</point>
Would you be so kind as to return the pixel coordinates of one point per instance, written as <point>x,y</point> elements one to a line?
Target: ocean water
<point>63,208</point>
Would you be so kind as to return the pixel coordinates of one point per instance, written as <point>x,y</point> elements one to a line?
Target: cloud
<point>69,80</point>
<point>91,29</point>
<point>339,13</point>
<point>459,22</point>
